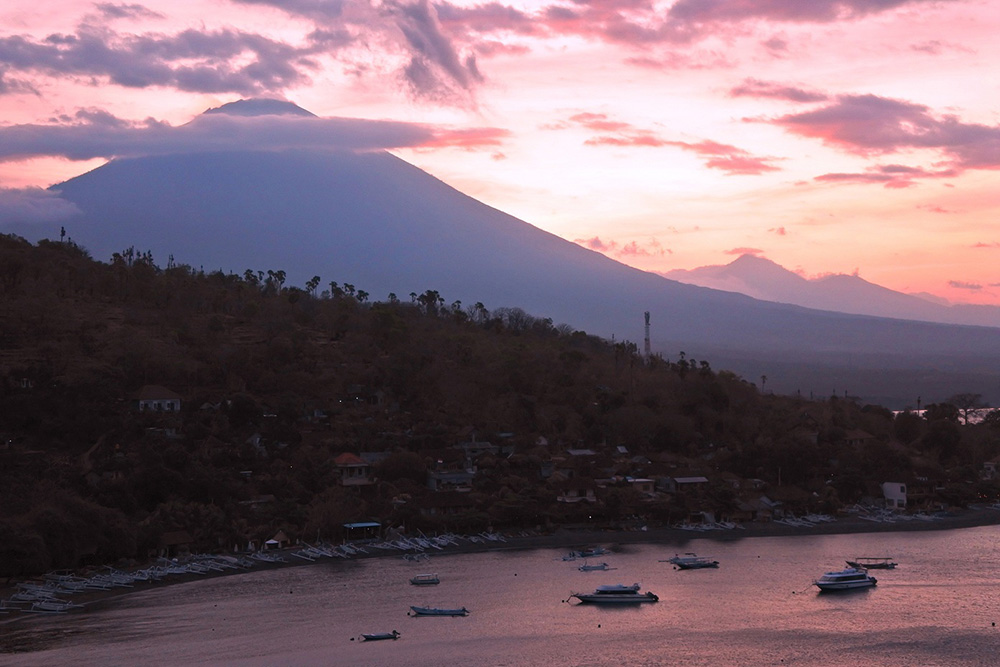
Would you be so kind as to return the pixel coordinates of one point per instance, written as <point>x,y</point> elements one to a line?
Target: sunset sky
<point>830,136</point>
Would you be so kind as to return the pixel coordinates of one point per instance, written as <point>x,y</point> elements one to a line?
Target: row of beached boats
<point>411,548</point>
<point>48,595</point>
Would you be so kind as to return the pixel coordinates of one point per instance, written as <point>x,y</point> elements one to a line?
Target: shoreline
<point>568,538</point>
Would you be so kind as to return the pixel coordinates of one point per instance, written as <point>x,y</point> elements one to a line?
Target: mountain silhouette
<point>763,279</point>
<point>381,224</point>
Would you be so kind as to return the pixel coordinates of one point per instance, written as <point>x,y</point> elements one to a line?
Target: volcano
<point>370,219</point>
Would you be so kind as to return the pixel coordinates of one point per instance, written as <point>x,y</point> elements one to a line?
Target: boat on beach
<point>425,580</point>
<point>378,636</point>
<point>616,594</point>
<point>691,561</point>
<point>845,580</point>
<point>435,611</point>
<point>872,563</point>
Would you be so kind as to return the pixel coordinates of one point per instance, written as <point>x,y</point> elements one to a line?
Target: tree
<point>992,419</point>
<point>941,412</point>
<point>907,426</point>
<point>966,403</point>
<point>312,284</point>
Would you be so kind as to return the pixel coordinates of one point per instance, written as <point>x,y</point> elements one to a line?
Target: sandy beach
<point>573,538</point>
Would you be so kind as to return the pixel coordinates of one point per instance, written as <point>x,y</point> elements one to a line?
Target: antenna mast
<point>646,349</point>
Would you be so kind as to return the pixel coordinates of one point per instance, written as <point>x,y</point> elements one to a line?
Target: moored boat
<point>425,580</point>
<point>378,636</point>
<point>435,611</point>
<point>691,561</point>
<point>845,580</point>
<point>594,567</point>
<point>616,594</point>
<point>872,563</point>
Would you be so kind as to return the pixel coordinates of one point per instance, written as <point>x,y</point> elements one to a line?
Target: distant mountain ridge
<point>375,221</point>
<point>763,279</point>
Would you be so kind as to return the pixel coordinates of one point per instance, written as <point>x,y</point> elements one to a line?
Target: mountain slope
<point>763,279</point>
<point>385,226</point>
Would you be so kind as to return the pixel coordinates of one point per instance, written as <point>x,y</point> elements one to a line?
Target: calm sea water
<point>937,608</point>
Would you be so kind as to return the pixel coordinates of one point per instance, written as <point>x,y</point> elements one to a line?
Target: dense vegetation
<point>278,380</point>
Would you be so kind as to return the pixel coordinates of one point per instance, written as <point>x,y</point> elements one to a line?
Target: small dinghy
<point>377,636</point>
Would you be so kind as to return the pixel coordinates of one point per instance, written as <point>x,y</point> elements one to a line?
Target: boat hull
<point>838,587</point>
<point>616,599</point>
<point>697,565</point>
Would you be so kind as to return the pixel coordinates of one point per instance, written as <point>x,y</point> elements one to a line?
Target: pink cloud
<point>891,176</point>
<point>651,248</point>
<point>34,205</point>
<point>599,121</point>
<point>936,47</point>
<point>934,209</point>
<point>757,88</point>
<point>794,11</point>
<point>744,251</point>
<point>730,159</point>
<point>958,284</point>
<point>595,243</point>
<point>980,244</point>
<point>780,231</point>
<point>92,134</point>
<point>871,125</point>
<point>640,23</point>
<point>632,138</point>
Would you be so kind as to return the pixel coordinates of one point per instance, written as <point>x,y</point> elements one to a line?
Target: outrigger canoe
<point>434,611</point>
<point>376,636</point>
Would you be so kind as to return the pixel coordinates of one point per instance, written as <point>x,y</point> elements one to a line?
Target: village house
<point>858,438</point>
<point>682,484</point>
<point>450,480</point>
<point>894,494</point>
<point>447,503</point>
<point>642,485</point>
<point>352,470</point>
<point>154,398</point>
<point>175,543</point>
<point>576,490</point>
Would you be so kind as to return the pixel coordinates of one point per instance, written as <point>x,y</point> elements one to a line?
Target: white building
<point>895,495</point>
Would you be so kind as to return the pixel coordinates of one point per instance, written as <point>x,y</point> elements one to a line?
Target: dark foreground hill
<point>277,382</point>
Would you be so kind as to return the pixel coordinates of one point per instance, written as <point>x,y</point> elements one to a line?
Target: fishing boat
<point>691,561</point>
<point>616,594</point>
<point>425,580</point>
<point>845,580</point>
<point>378,636</point>
<point>434,611</point>
<point>872,563</point>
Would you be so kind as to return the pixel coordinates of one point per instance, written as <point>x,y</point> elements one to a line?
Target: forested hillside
<point>276,381</point>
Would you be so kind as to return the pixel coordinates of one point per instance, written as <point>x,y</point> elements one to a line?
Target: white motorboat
<point>616,594</point>
<point>845,580</point>
<point>691,561</point>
